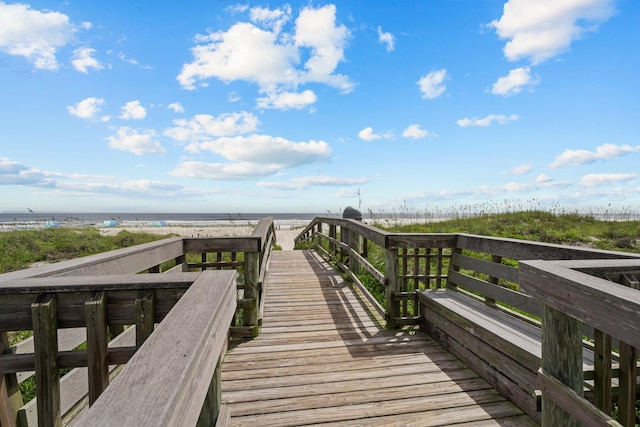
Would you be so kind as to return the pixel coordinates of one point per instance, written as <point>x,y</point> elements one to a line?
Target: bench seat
<point>503,349</point>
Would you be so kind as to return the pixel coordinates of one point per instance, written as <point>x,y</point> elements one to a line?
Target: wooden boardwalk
<point>323,358</point>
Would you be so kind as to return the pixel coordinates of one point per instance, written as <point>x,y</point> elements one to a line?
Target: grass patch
<point>23,248</point>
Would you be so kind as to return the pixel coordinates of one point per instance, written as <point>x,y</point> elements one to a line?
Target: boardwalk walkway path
<point>323,358</point>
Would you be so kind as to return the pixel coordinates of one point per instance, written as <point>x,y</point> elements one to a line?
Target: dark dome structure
<point>352,213</point>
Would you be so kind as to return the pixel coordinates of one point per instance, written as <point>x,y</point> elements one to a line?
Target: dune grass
<point>23,248</point>
<point>539,226</point>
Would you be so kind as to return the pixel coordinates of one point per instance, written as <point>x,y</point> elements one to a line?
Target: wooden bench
<point>503,349</point>
<point>484,319</point>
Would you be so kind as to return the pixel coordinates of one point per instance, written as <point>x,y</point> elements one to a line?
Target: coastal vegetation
<point>24,248</point>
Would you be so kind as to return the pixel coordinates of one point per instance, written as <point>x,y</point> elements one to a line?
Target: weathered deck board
<point>323,358</point>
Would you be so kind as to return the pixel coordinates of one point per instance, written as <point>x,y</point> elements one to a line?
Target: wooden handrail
<point>176,365</point>
<point>571,296</point>
<point>123,261</point>
<point>129,299</point>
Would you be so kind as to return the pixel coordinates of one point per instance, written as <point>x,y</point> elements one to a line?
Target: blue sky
<point>217,106</point>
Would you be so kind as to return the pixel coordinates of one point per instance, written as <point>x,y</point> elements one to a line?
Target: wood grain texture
<point>167,380</point>
<point>323,357</point>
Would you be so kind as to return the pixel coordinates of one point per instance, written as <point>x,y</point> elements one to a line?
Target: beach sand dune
<point>284,237</point>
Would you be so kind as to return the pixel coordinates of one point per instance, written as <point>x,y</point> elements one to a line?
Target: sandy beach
<point>284,237</point>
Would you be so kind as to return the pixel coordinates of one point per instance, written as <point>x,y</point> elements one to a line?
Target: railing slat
<point>145,314</point>
<point>602,371</point>
<point>45,324</point>
<point>628,382</point>
<point>97,342</point>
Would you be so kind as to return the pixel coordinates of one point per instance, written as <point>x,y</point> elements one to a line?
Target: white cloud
<point>301,183</point>
<point>316,29</point>
<point>138,143</point>
<point>15,173</point>
<point>265,149</point>
<point>521,169</point>
<point>541,29</point>
<point>271,18</point>
<point>34,34</point>
<point>87,108</point>
<point>122,57</point>
<point>222,171</point>
<point>603,152</point>
<point>386,39</point>
<point>287,100</point>
<point>132,110</point>
<point>595,179</point>
<point>486,121</point>
<point>204,126</point>
<point>542,178</point>
<point>415,132</point>
<point>513,83</point>
<point>269,57</point>
<point>432,85</point>
<point>176,107</point>
<point>367,134</point>
<point>83,60</point>
<point>250,156</point>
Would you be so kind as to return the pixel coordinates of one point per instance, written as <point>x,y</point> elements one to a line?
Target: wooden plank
<point>593,300</point>
<point>628,384</point>
<point>251,291</point>
<point>45,324</point>
<point>183,357</point>
<point>517,338</point>
<point>127,260</point>
<point>561,359</point>
<point>567,398</point>
<point>528,250</point>
<point>490,268</point>
<point>10,397</point>
<point>459,406</point>
<point>104,282</point>
<point>68,339</point>
<point>97,341</point>
<point>145,315</point>
<point>602,372</point>
<point>120,307</point>
<point>221,244</point>
<point>507,296</point>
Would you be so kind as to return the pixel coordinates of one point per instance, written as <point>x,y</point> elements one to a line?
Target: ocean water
<point>33,220</point>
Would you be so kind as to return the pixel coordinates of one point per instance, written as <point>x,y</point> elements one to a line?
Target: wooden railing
<point>490,271</point>
<point>92,298</point>
<point>574,293</point>
<point>405,263</point>
<point>402,263</point>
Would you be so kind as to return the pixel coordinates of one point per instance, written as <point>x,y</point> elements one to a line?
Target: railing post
<point>97,342</point>
<point>562,359</point>
<point>10,397</point>
<point>354,244</point>
<point>392,285</point>
<point>602,372</point>
<point>44,313</point>
<point>213,401</point>
<point>251,291</point>
<point>145,313</point>
<point>332,246</point>
<point>628,384</point>
<point>344,238</point>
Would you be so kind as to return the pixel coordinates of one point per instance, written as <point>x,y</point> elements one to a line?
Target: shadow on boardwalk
<point>324,357</point>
